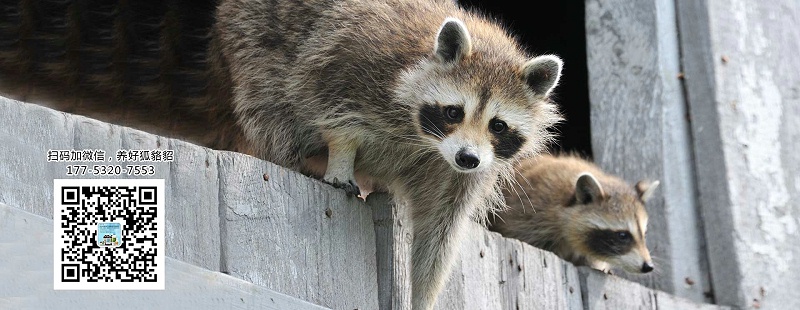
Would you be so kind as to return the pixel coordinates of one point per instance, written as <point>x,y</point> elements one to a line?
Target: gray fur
<point>329,88</point>
<point>333,78</point>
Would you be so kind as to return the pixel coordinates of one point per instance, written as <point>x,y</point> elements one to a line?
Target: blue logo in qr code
<point>108,234</point>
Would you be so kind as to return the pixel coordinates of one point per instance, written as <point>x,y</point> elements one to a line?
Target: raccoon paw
<point>348,186</point>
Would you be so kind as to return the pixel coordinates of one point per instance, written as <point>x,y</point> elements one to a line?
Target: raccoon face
<point>478,109</point>
<point>615,225</point>
<point>467,141</point>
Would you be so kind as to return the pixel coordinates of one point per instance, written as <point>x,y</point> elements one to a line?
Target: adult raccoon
<point>428,101</point>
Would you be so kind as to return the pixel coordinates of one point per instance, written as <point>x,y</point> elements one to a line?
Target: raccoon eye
<point>453,113</point>
<point>498,126</point>
<point>623,236</point>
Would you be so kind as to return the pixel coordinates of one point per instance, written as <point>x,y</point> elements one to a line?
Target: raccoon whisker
<point>512,177</point>
<point>527,182</point>
<point>517,184</point>
<point>422,143</point>
<point>422,146</point>
<point>439,134</point>
<point>496,214</point>
<point>420,153</point>
<point>418,144</point>
<point>509,183</point>
<point>658,261</point>
<point>429,160</point>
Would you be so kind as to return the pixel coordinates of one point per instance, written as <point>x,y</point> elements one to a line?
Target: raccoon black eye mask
<point>342,84</point>
<point>609,242</point>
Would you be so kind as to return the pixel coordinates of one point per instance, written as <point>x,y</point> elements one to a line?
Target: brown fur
<point>346,79</point>
<point>543,211</point>
<point>307,85</point>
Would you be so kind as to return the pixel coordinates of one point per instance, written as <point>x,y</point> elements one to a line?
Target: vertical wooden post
<point>743,88</point>
<point>640,130</point>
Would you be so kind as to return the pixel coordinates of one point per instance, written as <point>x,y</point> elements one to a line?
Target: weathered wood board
<point>280,232</point>
<point>296,235</point>
<point>499,273</point>
<point>743,89</point>
<point>26,279</point>
<point>275,233</point>
<point>26,177</point>
<point>640,131</point>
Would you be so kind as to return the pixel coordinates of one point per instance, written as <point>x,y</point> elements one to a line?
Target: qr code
<point>108,234</point>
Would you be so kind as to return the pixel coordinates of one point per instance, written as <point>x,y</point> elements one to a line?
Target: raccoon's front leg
<point>341,165</point>
<point>437,236</point>
<point>601,265</point>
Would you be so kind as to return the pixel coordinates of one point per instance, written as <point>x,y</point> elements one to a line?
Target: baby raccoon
<point>428,101</point>
<point>570,207</point>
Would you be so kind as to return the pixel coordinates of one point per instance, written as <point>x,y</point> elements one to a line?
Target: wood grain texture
<point>499,273</point>
<point>296,235</point>
<point>742,83</point>
<point>26,133</point>
<point>666,301</point>
<point>281,234</point>
<point>26,178</point>
<point>640,131</point>
<point>325,260</point>
<point>193,230</point>
<point>604,292</point>
<point>601,291</point>
<point>26,241</point>
<point>393,236</point>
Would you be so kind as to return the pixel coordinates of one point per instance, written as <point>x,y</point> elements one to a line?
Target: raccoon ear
<point>542,73</point>
<point>646,189</point>
<point>452,41</point>
<point>587,189</point>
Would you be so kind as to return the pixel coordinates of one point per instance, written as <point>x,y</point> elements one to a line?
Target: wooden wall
<point>704,96</point>
<point>287,235</point>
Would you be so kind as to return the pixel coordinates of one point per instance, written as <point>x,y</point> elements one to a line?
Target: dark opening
<point>553,27</point>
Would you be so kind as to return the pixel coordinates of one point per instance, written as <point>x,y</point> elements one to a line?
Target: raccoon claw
<point>349,187</point>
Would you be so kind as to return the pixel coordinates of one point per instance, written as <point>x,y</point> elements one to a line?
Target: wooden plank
<point>333,258</point>
<point>26,239</point>
<point>742,86</point>
<point>639,131</point>
<point>296,235</point>
<point>498,273</point>
<point>668,302</point>
<point>393,236</point>
<point>27,133</point>
<point>289,233</point>
<point>607,292</point>
<point>26,178</point>
<point>601,291</point>
<point>193,229</point>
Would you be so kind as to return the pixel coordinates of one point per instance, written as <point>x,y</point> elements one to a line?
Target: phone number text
<point>111,170</point>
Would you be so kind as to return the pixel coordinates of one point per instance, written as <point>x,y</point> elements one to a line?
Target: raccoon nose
<point>468,159</point>
<point>647,267</point>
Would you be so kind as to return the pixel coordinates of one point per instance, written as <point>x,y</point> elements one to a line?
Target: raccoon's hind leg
<point>341,164</point>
